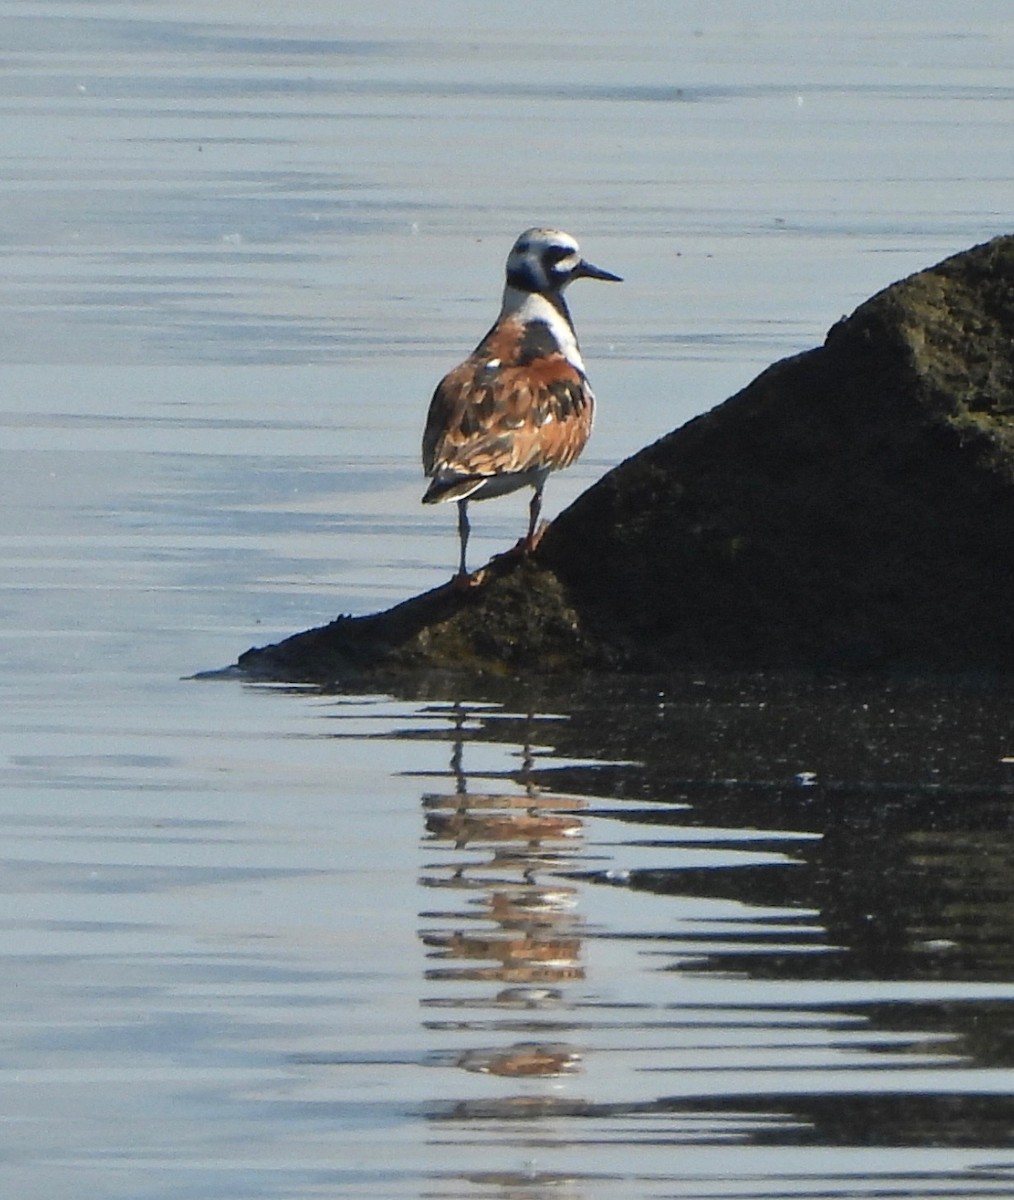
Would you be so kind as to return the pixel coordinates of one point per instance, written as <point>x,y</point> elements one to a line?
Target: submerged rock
<point>853,507</point>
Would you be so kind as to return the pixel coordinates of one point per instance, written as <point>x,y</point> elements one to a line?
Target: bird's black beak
<point>587,270</point>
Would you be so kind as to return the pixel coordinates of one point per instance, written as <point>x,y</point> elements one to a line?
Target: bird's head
<point>546,260</point>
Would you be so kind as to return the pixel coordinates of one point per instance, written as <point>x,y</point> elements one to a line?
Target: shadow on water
<point>830,961</point>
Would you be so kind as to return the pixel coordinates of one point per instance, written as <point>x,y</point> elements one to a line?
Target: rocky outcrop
<point>853,507</point>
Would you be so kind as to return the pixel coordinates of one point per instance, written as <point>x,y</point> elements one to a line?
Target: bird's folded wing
<point>509,419</point>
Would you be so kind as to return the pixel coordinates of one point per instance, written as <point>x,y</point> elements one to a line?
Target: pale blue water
<point>709,938</point>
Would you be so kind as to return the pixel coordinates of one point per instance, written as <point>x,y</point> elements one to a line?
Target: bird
<point>520,406</point>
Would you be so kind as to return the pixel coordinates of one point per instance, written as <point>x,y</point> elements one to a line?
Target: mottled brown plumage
<point>508,420</point>
<point>520,405</point>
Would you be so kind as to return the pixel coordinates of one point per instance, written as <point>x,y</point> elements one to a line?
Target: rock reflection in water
<point>517,929</point>
<point>820,953</point>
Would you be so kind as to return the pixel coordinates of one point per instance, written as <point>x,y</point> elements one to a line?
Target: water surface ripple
<point>711,937</point>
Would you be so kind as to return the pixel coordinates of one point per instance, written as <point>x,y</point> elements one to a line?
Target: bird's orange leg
<point>462,581</point>
<point>535,530</point>
<point>532,538</point>
<point>463,531</point>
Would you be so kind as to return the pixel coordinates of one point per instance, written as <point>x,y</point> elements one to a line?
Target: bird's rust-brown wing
<point>490,420</point>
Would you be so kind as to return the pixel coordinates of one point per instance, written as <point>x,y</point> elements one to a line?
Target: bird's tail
<point>451,487</point>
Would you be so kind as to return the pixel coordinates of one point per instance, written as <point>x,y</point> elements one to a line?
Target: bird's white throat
<point>532,306</point>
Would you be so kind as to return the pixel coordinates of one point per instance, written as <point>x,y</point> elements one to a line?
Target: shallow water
<point>709,937</point>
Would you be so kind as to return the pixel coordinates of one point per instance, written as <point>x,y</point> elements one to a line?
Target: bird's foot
<point>465,581</point>
<point>529,544</point>
<point>537,537</point>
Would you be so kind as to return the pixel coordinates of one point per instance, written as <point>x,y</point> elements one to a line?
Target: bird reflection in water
<point>517,926</point>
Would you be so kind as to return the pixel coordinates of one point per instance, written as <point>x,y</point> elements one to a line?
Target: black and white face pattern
<point>543,260</point>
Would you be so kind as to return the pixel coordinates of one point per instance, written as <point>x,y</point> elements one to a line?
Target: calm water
<point>696,937</point>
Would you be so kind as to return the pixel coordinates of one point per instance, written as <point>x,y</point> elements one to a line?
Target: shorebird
<point>520,405</point>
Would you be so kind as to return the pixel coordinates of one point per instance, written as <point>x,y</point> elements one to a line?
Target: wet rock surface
<point>851,508</point>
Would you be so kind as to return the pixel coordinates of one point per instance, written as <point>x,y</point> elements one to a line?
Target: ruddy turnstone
<point>519,406</point>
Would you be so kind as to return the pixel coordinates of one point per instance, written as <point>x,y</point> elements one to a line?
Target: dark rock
<point>516,618</point>
<point>853,507</point>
